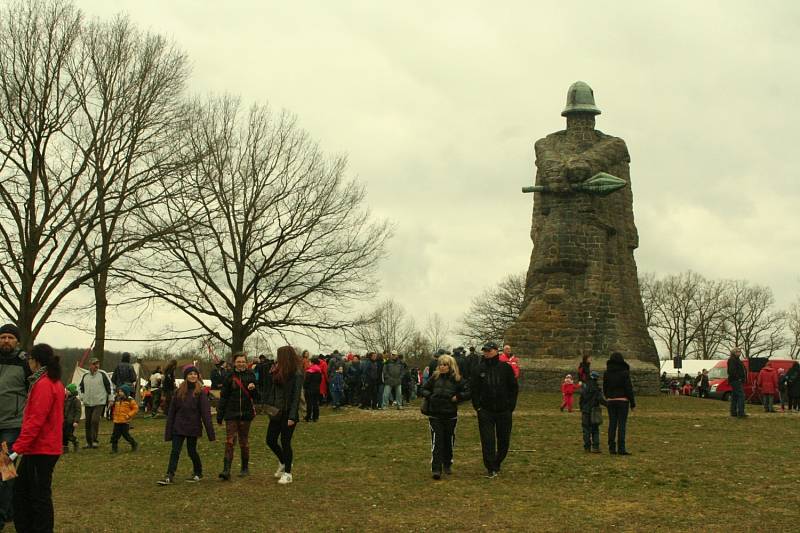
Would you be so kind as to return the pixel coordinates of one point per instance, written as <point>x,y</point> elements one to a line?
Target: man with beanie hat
<point>14,372</point>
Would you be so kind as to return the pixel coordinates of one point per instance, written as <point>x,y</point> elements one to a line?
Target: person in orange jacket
<point>125,408</point>
<point>567,390</point>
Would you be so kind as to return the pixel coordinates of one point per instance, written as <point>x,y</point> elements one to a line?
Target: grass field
<point>693,468</point>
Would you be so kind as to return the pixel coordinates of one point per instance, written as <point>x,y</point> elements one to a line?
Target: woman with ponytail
<point>39,442</point>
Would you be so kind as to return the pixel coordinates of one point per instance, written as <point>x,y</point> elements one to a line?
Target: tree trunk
<point>100,283</point>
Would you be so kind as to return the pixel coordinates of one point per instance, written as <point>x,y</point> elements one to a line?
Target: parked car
<point>720,389</point>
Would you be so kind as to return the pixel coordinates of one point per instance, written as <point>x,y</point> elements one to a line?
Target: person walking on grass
<point>125,408</point>
<point>494,397</point>
<point>591,414</point>
<point>284,383</point>
<point>237,408</point>
<point>737,375</point>
<point>189,413</point>
<point>96,393</point>
<point>618,390</point>
<point>39,443</point>
<point>443,392</point>
<point>72,415</point>
<point>567,392</point>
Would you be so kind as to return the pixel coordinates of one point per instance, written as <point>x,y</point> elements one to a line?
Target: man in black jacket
<point>737,374</point>
<point>494,397</point>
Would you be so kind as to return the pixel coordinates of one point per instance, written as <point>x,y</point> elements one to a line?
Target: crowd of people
<point>39,416</point>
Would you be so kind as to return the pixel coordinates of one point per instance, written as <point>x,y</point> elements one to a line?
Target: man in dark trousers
<point>737,375</point>
<point>494,397</point>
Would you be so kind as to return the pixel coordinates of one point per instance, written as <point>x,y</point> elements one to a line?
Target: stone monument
<point>582,292</point>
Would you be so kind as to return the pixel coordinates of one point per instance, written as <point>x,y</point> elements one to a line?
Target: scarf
<point>33,378</point>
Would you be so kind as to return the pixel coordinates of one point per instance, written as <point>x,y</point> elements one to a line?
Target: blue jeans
<point>191,448</point>
<point>617,422</point>
<point>381,395</point>
<point>387,394</point>
<point>7,487</point>
<point>737,398</point>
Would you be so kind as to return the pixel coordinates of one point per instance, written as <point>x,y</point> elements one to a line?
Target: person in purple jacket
<point>189,411</point>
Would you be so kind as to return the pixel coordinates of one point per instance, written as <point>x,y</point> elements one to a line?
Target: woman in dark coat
<point>793,386</point>
<point>237,408</point>
<point>618,391</point>
<point>189,412</point>
<point>443,392</point>
<point>284,383</point>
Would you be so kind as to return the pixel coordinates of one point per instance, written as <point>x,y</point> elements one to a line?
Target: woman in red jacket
<point>39,442</point>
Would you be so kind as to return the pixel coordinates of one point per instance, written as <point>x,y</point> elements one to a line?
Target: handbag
<point>274,413</point>
<point>424,407</point>
<point>596,416</point>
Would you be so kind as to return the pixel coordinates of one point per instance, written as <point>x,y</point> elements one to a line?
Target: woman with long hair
<point>237,408</point>
<point>284,383</point>
<point>618,390</point>
<point>443,392</point>
<point>39,442</point>
<point>189,412</point>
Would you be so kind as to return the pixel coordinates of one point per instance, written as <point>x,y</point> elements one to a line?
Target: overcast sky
<point>438,105</point>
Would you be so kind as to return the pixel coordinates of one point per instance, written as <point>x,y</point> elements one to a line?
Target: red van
<point>719,387</point>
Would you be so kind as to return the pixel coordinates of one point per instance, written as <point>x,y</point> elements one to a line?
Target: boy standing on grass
<point>72,415</point>
<point>125,408</point>
<point>591,414</point>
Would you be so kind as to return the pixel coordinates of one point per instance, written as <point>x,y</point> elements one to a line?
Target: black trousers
<point>121,430</point>
<point>93,415</point>
<point>191,449</point>
<point>281,428</point>
<point>443,437</point>
<point>33,497</point>
<point>495,431</point>
<point>312,404</point>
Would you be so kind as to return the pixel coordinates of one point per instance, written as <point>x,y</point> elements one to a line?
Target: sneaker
<point>285,479</point>
<point>624,453</point>
<point>491,474</point>
<point>437,475</point>
<point>281,469</point>
<point>194,479</point>
<point>595,450</point>
<point>166,481</point>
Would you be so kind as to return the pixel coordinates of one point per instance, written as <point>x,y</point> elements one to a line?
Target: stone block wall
<point>543,377</point>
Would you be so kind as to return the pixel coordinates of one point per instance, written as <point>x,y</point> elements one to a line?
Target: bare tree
<point>437,331</point>
<point>278,239</point>
<point>494,310</point>
<point>418,346</point>
<point>132,121</point>
<point>793,325</point>
<point>387,327</point>
<point>711,310</point>
<point>47,203</point>
<point>673,311</point>
<point>753,324</point>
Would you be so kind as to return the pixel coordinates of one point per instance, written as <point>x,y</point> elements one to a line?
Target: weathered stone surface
<point>546,375</point>
<point>582,292</point>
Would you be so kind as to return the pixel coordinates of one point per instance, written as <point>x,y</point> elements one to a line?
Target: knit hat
<point>10,328</point>
<point>126,389</point>
<point>188,369</point>
<point>72,389</point>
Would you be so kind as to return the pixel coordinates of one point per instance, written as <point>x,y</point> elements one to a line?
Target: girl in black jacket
<point>237,408</point>
<point>284,383</point>
<point>618,391</point>
<point>442,393</point>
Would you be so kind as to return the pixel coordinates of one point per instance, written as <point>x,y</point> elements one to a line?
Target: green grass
<point>694,469</point>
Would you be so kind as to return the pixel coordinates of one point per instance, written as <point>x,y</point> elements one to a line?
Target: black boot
<point>245,471</point>
<point>225,475</point>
